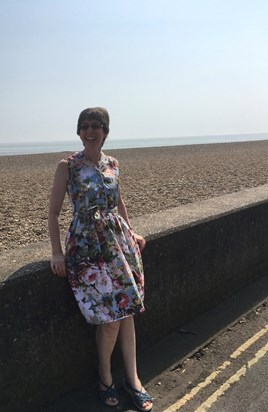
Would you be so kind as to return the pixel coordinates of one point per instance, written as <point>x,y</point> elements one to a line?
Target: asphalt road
<point>216,363</point>
<point>228,375</point>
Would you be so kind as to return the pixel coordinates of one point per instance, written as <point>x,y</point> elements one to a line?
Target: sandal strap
<point>138,397</point>
<point>143,396</point>
<point>106,386</point>
<point>109,392</point>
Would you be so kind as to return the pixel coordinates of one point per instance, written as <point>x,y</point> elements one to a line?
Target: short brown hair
<point>94,113</point>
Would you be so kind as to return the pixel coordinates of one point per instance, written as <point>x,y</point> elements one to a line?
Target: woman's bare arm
<point>56,199</point>
<point>122,210</point>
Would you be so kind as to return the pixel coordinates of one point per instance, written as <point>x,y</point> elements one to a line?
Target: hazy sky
<point>160,67</point>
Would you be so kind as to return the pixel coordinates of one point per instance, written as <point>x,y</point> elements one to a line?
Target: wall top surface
<point>150,225</point>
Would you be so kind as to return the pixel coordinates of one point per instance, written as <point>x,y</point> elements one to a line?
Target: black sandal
<point>109,393</point>
<point>139,397</point>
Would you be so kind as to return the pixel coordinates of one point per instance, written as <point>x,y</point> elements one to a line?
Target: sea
<point>113,143</point>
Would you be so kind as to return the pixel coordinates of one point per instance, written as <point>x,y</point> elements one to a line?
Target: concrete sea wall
<point>196,256</point>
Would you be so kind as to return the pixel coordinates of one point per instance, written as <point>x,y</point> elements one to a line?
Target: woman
<point>102,258</point>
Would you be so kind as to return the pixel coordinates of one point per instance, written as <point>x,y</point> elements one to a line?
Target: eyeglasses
<point>93,126</point>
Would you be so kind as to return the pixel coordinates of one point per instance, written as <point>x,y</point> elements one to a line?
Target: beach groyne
<point>196,256</point>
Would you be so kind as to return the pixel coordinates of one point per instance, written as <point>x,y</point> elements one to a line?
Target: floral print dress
<point>103,259</point>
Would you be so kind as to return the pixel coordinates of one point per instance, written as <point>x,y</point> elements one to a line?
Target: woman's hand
<point>57,264</point>
<point>141,241</point>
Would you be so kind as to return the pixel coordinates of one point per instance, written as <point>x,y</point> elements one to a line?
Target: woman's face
<point>92,134</point>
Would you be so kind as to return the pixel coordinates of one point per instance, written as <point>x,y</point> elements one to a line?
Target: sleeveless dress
<point>103,259</point>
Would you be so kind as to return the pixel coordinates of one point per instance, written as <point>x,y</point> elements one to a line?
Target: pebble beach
<point>152,179</point>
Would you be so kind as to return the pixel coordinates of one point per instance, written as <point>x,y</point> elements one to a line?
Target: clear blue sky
<point>161,67</point>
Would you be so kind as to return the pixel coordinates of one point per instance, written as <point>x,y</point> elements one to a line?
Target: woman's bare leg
<point>127,341</point>
<point>106,336</point>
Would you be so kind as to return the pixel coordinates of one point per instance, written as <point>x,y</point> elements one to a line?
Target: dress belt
<point>95,212</point>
